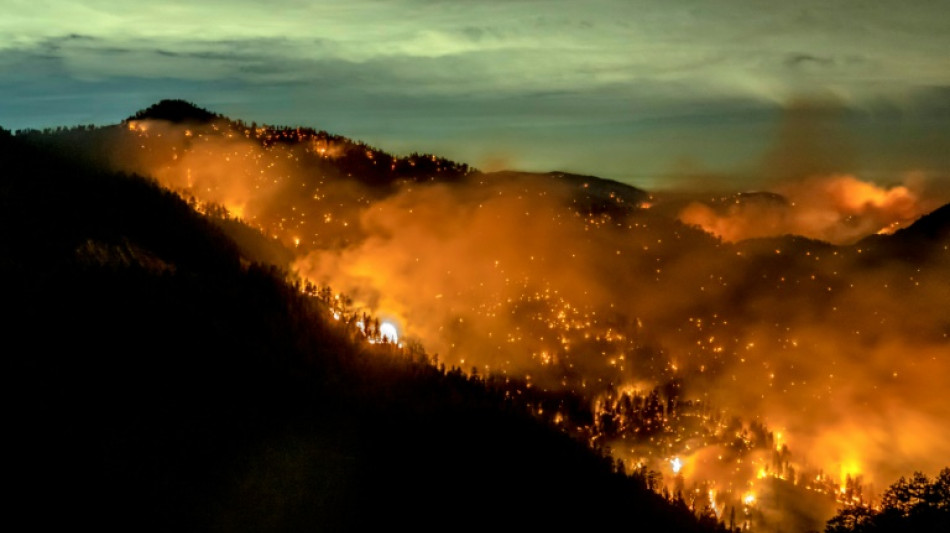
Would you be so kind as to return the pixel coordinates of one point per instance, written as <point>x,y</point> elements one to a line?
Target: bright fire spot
<point>388,331</point>
<point>676,464</point>
<point>849,469</point>
<point>749,499</point>
<point>236,210</point>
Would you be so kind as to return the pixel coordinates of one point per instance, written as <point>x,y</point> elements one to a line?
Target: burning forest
<point>765,356</point>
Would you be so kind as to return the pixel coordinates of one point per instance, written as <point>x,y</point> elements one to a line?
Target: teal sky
<point>649,92</point>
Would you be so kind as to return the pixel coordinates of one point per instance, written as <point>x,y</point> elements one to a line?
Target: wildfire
<point>609,307</point>
<point>833,208</point>
<point>676,464</point>
<point>389,332</point>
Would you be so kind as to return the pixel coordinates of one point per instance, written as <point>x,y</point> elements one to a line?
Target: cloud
<point>650,42</point>
<point>629,88</point>
<point>798,60</point>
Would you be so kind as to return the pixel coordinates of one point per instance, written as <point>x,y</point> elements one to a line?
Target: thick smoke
<point>843,349</point>
<point>812,188</point>
<point>837,208</point>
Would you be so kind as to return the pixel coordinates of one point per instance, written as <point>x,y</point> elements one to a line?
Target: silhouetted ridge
<point>916,242</point>
<point>602,186</point>
<point>763,198</point>
<point>175,111</point>
<point>932,226</point>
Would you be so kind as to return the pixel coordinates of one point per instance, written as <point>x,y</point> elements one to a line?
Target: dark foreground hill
<point>156,380</point>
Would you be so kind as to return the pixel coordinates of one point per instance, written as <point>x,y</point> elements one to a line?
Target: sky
<point>652,93</point>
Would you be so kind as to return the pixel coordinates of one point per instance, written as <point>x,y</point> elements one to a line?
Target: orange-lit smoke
<point>838,208</point>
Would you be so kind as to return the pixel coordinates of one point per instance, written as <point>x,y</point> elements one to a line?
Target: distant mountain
<point>589,194</point>
<point>758,198</point>
<point>604,195</point>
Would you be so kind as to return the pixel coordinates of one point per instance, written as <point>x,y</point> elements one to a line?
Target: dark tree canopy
<point>917,504</point>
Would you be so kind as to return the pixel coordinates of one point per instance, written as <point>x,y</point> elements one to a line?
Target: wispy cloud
<point>501,66</point>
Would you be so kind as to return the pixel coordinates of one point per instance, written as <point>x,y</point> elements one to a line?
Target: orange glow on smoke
<point>837,208</point>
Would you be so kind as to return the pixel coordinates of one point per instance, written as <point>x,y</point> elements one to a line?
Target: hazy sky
<point>635,90</point>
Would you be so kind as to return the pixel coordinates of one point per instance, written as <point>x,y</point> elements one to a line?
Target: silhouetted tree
<point>914,504</point>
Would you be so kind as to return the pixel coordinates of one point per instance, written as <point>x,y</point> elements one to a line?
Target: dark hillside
<point>915,243</point>
<point>159,381</point>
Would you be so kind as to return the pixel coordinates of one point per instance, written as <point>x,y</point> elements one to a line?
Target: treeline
<point>917,504</point>
<point>351,158</point>
<point>327,152</point>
